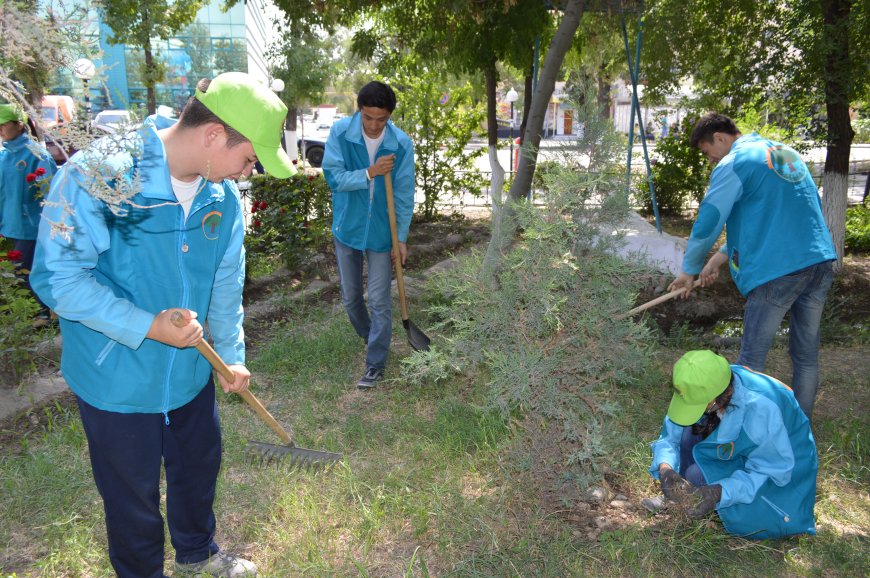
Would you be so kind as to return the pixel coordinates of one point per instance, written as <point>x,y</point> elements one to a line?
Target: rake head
<point>291,457</point>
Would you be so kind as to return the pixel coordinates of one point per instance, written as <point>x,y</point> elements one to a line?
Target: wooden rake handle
<point>218,364</point>
<point>394,232</point>
<point>657,300</point>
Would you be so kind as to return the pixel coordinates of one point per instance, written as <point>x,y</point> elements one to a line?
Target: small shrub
<point>289,217</point>
<point>17,310</point>
<point>544,332</point>
<point>440,129</point>
<point>858,229</point>
<point>861,126</point>
<point>680,173</point>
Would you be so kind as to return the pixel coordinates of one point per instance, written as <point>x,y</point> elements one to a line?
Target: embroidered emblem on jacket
<point>786,164</point>
<point>210,224</point>
<point>725,451</point>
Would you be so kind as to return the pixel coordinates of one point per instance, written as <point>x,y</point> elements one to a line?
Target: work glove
<point>674,486</point>
<point>703,500</point>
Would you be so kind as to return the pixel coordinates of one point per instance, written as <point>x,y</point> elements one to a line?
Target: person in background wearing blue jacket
<point>359,151</point>
<point>778,247</point>
<point>736,441</point>
<point>145,394</point>
<point>25,165</point>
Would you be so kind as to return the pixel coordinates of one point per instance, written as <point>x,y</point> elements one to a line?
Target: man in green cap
<point>25,168</point>
<point>146,396</point>
<point>736,441</point>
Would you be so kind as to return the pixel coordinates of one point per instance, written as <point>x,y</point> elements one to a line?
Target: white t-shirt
<point>372,145</point>
<point>185,192</point>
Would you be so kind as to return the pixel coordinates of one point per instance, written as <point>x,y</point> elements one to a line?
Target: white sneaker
<point>219,565</point>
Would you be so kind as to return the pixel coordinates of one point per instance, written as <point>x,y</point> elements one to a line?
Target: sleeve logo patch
<point>210,225</point>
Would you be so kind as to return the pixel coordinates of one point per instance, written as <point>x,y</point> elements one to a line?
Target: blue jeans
<point>803,294</point>
<point>376,328</point>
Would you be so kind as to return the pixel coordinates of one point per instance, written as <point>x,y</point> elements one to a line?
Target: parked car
<point>57,110</point>
<point>313,150</point>
<point>109,121</point>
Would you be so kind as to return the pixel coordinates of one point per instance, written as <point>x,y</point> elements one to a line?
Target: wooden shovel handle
<point>657,300</point>
<point>218,364</point>
<point>394,232</point>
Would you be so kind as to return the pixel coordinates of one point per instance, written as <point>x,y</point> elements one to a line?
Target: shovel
<point>657,300</point>
<point>260,452</point>
<point>418,340</point>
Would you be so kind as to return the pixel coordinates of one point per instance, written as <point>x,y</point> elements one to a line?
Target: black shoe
<point>372,376</point>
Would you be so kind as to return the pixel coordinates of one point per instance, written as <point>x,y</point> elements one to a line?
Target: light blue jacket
<point>762,454</point>
<point>110,275</point>
<point>765,197</point>
<point>19,206</point>
<point>359,218</point>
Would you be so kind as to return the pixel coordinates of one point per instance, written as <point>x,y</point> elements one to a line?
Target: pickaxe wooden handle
<point>657,300</point>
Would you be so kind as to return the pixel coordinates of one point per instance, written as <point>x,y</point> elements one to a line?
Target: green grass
<point>430,485</point>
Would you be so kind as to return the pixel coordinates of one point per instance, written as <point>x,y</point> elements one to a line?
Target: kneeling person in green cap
<point>736,441</point>
<point>145,394</point>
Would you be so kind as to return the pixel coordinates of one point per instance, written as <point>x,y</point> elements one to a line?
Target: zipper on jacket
<point>105,352</point>
<point>371,207</point>
<point>185,297</point>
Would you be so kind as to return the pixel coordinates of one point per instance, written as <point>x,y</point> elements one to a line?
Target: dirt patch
<point>848,301</point>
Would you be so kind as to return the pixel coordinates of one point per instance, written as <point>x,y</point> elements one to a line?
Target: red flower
<point>15,255</point>
<point>263,205</point>
<point>30,178</point>
<point>294,161</point>
<point>257,223</point>
<point>39,172</point>
<point>254,208</point>
<point>310,177</point>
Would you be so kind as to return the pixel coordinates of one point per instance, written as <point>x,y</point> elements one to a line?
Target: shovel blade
<point>291,457</point>
<point>418,340</point>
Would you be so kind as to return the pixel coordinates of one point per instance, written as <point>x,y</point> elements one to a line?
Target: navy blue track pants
<point>126,453</point>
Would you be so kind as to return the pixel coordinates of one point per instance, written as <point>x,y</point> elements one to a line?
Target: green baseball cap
<point>256,112</point>
<point>12,112</point>
<point>699,377</point>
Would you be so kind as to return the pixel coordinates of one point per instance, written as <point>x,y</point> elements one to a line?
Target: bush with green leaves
<point>290,218</point>
<point>680,173</point>
<point>861,126</point>
<point>18,340</point>
<point>545,333</point>
<point>440,124</point>
<point>858,229</point>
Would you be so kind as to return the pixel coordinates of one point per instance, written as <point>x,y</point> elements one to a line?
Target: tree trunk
<point>527,95</point>
<point>840,134</point>
<point>559,46</point>
<point>493,250</point>
<point>503,222</point>
<point>290,134</point>
<point>149,77</point>
<point>603,92</point>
